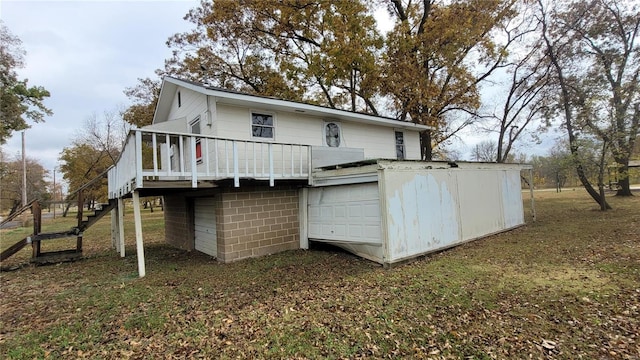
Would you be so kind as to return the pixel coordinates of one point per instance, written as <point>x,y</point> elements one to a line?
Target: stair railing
<point>18,212</point>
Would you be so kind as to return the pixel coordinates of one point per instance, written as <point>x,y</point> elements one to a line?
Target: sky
<point>86,53</point>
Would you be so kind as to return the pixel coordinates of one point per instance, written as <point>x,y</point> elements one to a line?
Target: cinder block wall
<point>252,222</point>
<point>178,222</point>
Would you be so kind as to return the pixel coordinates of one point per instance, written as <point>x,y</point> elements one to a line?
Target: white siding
<point>193,104</point>
<point>377,141</point>
<point>234,122</point>
<point>205,226</point>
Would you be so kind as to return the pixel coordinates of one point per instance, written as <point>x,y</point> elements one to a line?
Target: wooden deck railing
<point>172,156</point>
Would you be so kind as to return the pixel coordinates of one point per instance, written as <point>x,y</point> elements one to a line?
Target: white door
<point>205,226</point>
<point>345,213</point>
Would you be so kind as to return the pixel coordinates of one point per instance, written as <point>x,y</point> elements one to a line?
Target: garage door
<point>345,213</point>
<point>205,226</point>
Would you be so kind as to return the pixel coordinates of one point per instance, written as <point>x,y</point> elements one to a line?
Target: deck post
<point>236,177</point>
<point>120,212</point>
<point>80,217</point>
<point>138,154</point>
<point>533,203</point>
<point>270,146</point>
<point>114,229</point>
<point>138,225</point>
<point>194,162</point>
<point>37,227</point>
<point>303,196</point>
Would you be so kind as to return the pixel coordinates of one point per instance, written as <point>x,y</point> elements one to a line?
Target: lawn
<point>565,287</point>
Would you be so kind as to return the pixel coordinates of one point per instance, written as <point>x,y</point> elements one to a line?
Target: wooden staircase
<point>36,238</point>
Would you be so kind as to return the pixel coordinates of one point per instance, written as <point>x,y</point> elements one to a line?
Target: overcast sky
<point>86,53</point>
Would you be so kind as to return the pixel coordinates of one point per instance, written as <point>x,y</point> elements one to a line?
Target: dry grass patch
<point>565,287</point>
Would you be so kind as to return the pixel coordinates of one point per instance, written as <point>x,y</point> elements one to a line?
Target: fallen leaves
<point>514,295</point>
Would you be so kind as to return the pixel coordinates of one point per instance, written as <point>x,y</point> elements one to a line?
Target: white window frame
<point>404,144</point>
<point>273,127</point>
<point>197,120</point>
<point>324,133</point>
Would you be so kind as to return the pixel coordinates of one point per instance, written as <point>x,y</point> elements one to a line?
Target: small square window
<point>400,145</point>
<point>262,125</point>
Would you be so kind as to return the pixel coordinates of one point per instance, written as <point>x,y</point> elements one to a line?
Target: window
<point>262,125</point>
<point>179,99</point>
<point>195,129</point>
<point>332,134</point>
<point>400,145</point>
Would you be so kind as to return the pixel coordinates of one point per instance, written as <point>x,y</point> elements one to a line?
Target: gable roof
<point>170,86</point>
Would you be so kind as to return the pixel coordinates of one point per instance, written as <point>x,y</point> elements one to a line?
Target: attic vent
<point>179,99</point>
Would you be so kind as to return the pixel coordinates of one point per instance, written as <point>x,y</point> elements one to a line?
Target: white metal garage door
<point>345,213</point>
<point>205,226</point>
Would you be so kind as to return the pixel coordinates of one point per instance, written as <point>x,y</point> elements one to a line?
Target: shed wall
<point>429,210</point>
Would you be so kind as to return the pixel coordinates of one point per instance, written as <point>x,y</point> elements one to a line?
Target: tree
<point>11,182</point>
<point>319,51</point>
<point>145,98</point>
<point>485,151</point>
<point>95,149</point>
<point>430,58</point>
<point>18,100</point>
<point>525,99</point>
<point>322,52</point>
<point>559,53</point>
<point>604,36</point>
<point>82,163</point>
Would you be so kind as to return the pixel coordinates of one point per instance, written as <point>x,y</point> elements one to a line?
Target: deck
<point>160,159</point>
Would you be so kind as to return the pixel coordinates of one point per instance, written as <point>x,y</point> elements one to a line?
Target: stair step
<point>51,236</point>
<point>56,257</point>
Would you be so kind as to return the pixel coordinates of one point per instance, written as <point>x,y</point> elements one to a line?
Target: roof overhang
<point>170,86</point>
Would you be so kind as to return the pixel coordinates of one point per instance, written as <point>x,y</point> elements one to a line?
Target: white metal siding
<point>422,211</point>
<point>348,213</point>
<point>481,211</point>
<point>205,226</point>
<point>428,209</point>
<point>512,198</point>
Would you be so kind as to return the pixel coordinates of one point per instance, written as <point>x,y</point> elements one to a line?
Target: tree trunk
<point>425,145</point>
<point>624,186</point>
<point>601,167</point>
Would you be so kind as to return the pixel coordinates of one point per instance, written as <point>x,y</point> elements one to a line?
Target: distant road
<point>16,223</point>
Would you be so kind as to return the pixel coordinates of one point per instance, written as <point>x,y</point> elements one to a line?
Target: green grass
<point>570,282</point>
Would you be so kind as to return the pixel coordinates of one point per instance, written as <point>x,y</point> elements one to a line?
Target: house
<point>245,175</point>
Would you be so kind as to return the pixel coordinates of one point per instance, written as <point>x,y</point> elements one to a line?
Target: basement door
<point>205,226</point>
<point>345,214</point>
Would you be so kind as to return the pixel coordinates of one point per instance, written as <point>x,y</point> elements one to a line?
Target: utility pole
<point>25,218</point>
<point>54,192</point>
<point>24,173</point>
